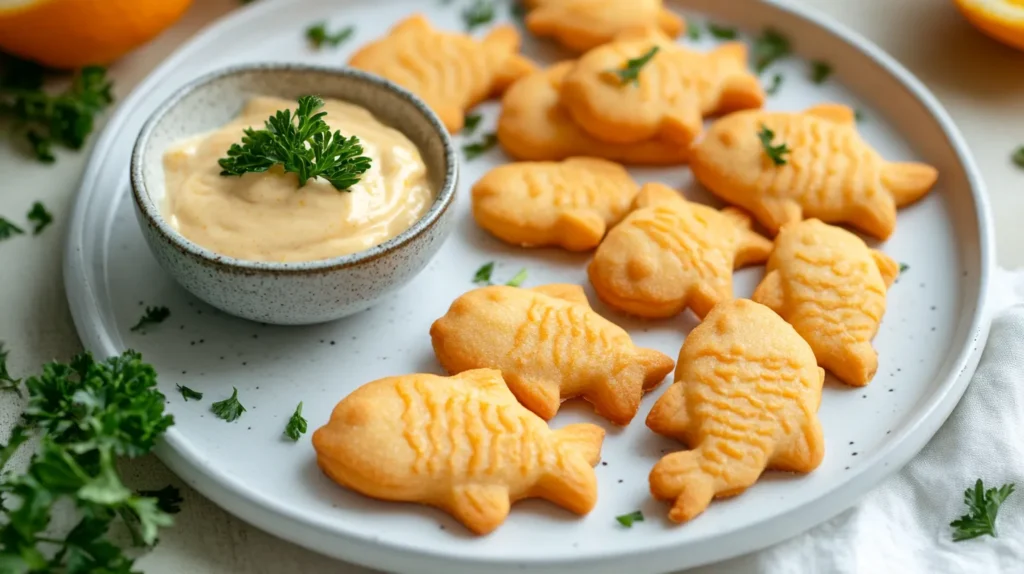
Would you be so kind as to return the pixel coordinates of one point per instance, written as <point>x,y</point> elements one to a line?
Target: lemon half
<point>1002,20</point>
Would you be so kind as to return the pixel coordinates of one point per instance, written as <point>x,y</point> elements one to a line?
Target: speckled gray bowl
<point>303,292</point>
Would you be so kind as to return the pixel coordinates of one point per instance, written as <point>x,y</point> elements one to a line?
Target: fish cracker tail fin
<point>655,193</point>
<point>887,266</point>
<point>668,416</point>
<point>682,125</point>
<point>413,23</point>
<point>656,366</point>
<point>617,397</point>
<point>908,181</point>
<point>678,478</point>
<point>580,229</point>
<point>876,215</point>
<point>514,68</point>
<point>480,507</point>
<point>572,484</point>
<point>752,247</point>
<point>503,39</point>
<point>671,23</point>
<point>741,90</point>
<point>855,364</point>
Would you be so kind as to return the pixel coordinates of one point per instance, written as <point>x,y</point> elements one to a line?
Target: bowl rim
<point>155,218</point>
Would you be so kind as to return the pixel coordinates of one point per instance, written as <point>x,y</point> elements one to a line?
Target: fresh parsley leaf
<point>318,35</point>
<point>627,520</point>
<point>820,71</point>
<point>86,413</point>
<point>304,147</point>
<point>775,153</point>
<point>39,217</point>
<point>518,279</point>
<point>858,115</point>
<point>152,316</point>
<point>517,10</point>
<point>8,229</point>
<point>1018,156</point>
<point>168,498</point>
<point>229,409</point>
<point>630,71</point>
<point>903,267</point>
<point>187,393</point>
<point>983,507</point>
<point>481,147</point>
<point>722,32</point>
<point>470,124</point>
<point>773,88</point>
<point>7,382</point>
<point>692,31</point>
<point>483,274</point>
<point>296,425</point>
<point>769,47</point>
<point>478,13</point>
<point>46,119</point>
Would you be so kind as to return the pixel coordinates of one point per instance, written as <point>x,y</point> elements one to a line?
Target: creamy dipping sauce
<point>268,217</point>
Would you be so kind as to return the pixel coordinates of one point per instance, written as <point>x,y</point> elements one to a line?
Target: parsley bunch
<point>46,119</point>
<point>983,506</point>
<point>87,413</point>
<point>302,144</point>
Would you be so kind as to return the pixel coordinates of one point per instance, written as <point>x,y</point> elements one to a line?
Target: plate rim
<point>231,493</point>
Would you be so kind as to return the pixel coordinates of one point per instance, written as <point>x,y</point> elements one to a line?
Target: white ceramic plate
<point>929,343</point>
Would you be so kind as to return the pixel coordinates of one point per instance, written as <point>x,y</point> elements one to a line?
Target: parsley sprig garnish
<point>630,71</point>
<point>773,88</point>
<point>45,119</point>
<point>319,36</point>
<point>478,148</point>
<point>722,32</point>
<point>627,520</point>
<point>168,498</point>
<point>229,409</point>
<point>483,276</point>
<point>296,426</point>
<point>187,393</point>
<point>1018,156</point>
<point>7,382</point>
<point>518,279</point>
<point>983,507</point>
<point>776,153</point>
<point>86,414</point>
<point>769,47</point>
<point>470,124</point>
<point>903,267</point>
<point>820,72</point>
<point>152,316</point>
<point>477,14</point>
<point>8,229</point>
<point>39,217</point>
<point>302,144</point>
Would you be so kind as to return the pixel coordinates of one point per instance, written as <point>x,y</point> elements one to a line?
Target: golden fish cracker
<point>831,287</point>
<point>670,254</point>
<point>674,90</point>
<point>451,72</point>
<point>569,204</point>
<point>745,400</point>
<point>533,126</point>
<point>550,346</point>
<point>584,24</point>
<point>830,173</point>
<point>462,444</point>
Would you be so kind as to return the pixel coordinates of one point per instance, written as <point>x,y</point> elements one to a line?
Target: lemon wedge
<point>1002,20</point>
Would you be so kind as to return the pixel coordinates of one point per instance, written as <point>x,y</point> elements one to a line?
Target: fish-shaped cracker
<point>568,204</point>
<point>584,24</point>
<point>745,400</point>
<point>550,346</point>
<point>462,444</point>
<point>670,254</point>
<point>830,173</point>
<point>673,92</point>
<point>533,126</point>
<point>452,72</point>
<point>828,284</point>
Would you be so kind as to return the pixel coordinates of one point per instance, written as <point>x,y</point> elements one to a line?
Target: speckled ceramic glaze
<point>302,292</point>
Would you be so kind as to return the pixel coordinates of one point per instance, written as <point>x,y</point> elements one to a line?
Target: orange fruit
<point>76,33</point>
<point>1002,20</point>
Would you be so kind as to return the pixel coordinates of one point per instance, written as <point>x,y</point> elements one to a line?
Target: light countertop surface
<point>980,82</point>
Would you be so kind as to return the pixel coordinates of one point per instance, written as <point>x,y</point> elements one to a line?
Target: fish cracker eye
<point>726,138</point>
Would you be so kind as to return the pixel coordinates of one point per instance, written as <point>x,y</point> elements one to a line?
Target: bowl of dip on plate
<point>260,245</point>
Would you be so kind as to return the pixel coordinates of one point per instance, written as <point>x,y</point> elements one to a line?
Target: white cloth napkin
<point>903,525</point>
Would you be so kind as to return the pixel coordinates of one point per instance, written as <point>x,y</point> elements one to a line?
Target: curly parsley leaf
<point>483,274</point>
<point>983,507</point>
<point>627,520</point>
<point>296,426</point>
<point>470,124</point>
<point>8,229</point>
<point>229,409</point>
<point>1018,157</point>
<point>820,72</point>
<point>152,316</point>
<point>479,13</point>
<point>630,71</point>
<point>518,279</point>
<point>319,36</point>
<point>769,47</point>
<point>476,149</point>
<point>168,498</point>
<point>722,32</point>
<point>692,32</point>
<point>39,217</point>
<point>187,393</point>
<point>903,267</point>
<point>776,153</point>
<point>301,144</point>
<point>773,88</point>
<point>7,382</point>
<point>87,413</point>
<point>45,119</point>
